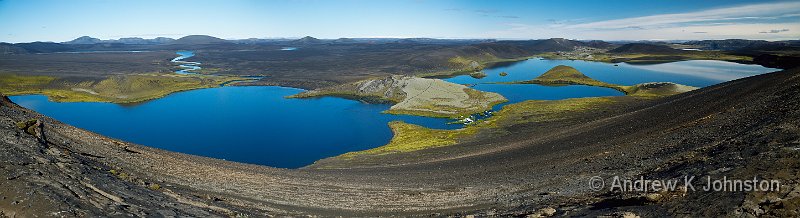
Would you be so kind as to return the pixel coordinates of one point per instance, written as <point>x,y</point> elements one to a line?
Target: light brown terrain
<point>414,95</point>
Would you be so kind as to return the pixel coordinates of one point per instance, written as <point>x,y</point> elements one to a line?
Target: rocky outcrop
<point>658,89</point>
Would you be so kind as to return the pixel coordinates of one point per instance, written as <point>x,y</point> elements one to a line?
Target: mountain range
<point>87,43</point>
<point>88,40</point>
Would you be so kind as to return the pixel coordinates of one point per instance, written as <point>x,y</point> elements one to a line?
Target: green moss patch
<point>115,89</point>
<point>409,137</point>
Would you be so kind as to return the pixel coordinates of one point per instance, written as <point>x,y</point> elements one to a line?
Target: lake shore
<point>116,89</point>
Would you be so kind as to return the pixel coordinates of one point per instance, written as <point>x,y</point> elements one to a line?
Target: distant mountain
<point>199,39</point>
<point>792,42</point>
<point>162,40</point>
<point>84,40</point>
<point>421,40</point>
<point>770,47</point>
<point>556,44</point>
<point>260,41</point>
<point>432,41</point>
<point>730,44</point>
<point>141,41</point>
<point>87,40</point>
<point>8,48</point>
<point>44,47</point>
<point>132,40</point>
<point>307,40</point>
<point>249,41</point>
<point>598,44</point>
<point>344,40</point>
<point>641,48</point>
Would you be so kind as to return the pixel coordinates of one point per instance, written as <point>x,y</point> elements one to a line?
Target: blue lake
<point>258,125</point>
<point>254,124</point>
<point>698,73</point>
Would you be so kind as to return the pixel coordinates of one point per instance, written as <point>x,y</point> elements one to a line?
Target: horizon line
<point>408,37</point>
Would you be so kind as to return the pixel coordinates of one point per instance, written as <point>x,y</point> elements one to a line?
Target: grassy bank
<point>114,89</point>
<point>409,137</point>
<point>464,66</point>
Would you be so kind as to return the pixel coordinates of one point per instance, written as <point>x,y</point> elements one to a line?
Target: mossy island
<point>478,75</point>
<point>562,75</point>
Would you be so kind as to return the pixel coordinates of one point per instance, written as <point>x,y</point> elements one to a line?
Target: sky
<point>58,21</point>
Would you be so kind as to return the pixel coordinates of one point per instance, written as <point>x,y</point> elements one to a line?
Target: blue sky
<point>53,20</point>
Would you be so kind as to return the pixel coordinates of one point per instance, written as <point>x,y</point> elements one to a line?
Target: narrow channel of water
<point>188,66</point>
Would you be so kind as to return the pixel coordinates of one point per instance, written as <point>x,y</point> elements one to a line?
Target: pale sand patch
<point>417,96</point>
<point>85,90</point>
<point>439,96</point>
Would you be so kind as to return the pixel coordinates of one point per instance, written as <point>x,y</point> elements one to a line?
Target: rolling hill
<point>643,48</point>
<point>199,40</point>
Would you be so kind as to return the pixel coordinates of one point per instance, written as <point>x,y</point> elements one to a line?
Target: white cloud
<point>775,31</point>
<point>747,21</point>
<point>696,32</point>
<point>754,11</point>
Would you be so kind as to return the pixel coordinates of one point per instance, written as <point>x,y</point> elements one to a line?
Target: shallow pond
<point>258,125</point>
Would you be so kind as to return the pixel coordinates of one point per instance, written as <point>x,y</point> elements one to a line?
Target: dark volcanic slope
<point>642,48</point>
<point>87,64</point>
<point>555,44</point>
<point>740,129</point>
<point>315,65</point>
<point>199,39</point>
<point>730,44</point>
